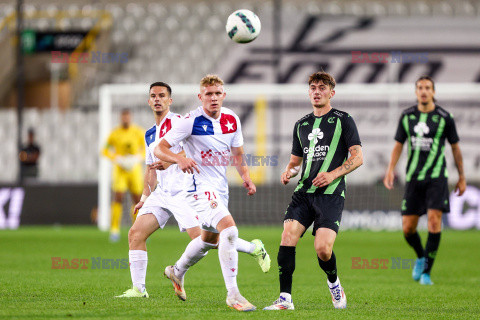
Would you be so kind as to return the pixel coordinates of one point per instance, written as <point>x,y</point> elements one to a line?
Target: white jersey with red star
<point>208,141</point>
<point>170,180</point>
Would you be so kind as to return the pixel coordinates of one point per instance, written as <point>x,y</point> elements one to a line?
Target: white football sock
<point>138,268</point>
<point>286,296</point>
<point>333,285</point>
<point>245,246</point>
<point>196,250</point>
<point>228,255</point>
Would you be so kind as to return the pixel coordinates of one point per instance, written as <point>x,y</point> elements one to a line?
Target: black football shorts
<point>323,210</point>
<point>423,195</point>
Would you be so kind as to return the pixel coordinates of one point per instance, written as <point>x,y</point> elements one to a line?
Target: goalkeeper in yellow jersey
<point>125,147</point>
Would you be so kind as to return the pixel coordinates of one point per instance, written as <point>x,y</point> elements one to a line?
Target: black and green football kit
<point>323,143</point>
<point>426,173</point>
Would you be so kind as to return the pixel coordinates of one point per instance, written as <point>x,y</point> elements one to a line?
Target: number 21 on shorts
<point>210,195</point>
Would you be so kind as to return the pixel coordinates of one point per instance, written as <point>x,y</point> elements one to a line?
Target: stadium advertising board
<point>46,204</point>
<point>46,41</point>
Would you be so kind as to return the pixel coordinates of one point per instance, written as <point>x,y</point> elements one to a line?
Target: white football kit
<point>208,141</point>
<point>169,196</point>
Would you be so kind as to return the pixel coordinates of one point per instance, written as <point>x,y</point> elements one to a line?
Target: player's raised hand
<point>250,186</point>
<point>323,179</point>
<point>388,180</point>
<point>187,165</point>
<point>285,178</point>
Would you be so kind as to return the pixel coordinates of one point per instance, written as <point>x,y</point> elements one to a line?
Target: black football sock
<point>433,241</point>
<point>414,241</point>
<point>329,267</point>
<point>286,267</point>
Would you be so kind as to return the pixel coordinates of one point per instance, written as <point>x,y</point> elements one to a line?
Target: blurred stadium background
<point>125,46</point>
<point>179,42</point>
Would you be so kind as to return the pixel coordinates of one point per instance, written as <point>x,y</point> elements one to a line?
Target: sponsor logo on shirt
<point>315,135</point>
<point>421,129</point>
<point>318,152</point>
<point>421,142</point>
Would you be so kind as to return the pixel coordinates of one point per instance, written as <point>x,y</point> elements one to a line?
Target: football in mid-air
<point>243,26</point>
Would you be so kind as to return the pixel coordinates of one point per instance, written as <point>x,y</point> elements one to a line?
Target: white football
<point>243,26</point>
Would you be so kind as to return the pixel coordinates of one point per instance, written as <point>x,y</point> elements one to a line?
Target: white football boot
<point>339,299</point>
<point>284,302</point>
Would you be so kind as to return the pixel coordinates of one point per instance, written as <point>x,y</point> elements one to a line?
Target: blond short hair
<point>211,80</point>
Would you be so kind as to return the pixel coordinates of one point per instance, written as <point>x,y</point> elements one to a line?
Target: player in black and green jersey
<point>322,141</point>
<point>425,128</point>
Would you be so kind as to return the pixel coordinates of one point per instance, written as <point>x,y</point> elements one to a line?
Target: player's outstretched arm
<point>162,151</point>
<point>356,160</point>
<point>390,174</point>
<point>243,171</point>
<point>292,169</point>
<point>457,155</point>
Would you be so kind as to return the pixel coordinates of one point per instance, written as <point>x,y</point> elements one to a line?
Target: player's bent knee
<point>435,226</point>
<point>324,251</point>
<point>409,229</point>
<point>136,235</point>
<point>409,224</point>
<point>229,234</point>
<point>289,238</point>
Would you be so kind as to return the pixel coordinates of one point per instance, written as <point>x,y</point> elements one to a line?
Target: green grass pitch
<point>30,288</point>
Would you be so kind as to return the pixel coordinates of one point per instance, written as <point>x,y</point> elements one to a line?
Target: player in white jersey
<point>210,135</point>
<point>167,199</point>
<point>157,204</point>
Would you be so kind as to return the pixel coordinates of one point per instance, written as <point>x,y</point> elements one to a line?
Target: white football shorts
<point>210,206</point>
<point>163,205</point>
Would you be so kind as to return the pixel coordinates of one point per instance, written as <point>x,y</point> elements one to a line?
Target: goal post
<point>268,113</point>
<point>106,106</point>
